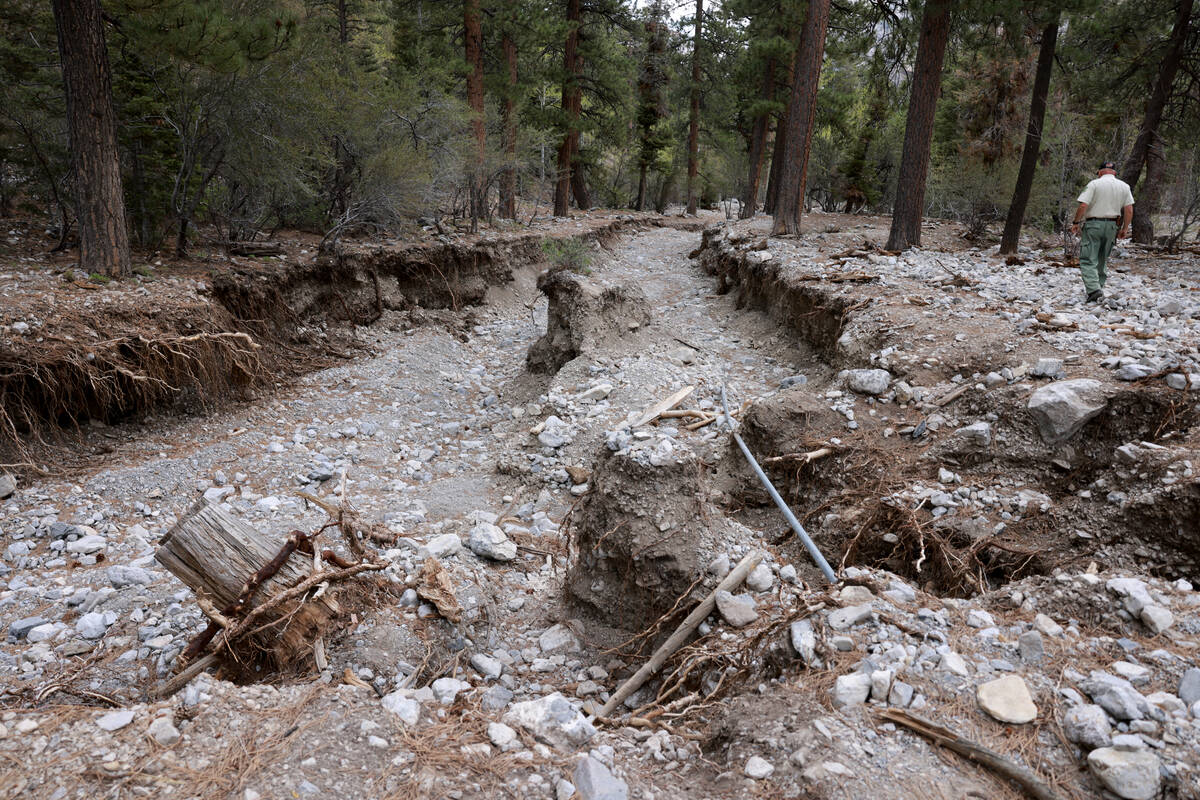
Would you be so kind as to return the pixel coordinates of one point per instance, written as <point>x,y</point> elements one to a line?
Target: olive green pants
<point>1096,241</point>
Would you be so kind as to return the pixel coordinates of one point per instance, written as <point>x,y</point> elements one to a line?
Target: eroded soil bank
<point>997,554</point>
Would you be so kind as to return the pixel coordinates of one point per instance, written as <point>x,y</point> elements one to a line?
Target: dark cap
<point>1107,165</point>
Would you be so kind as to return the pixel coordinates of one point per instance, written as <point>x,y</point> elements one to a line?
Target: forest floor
<point>1003,476</point>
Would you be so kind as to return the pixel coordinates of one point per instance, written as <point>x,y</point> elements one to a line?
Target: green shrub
<point>573,254</point>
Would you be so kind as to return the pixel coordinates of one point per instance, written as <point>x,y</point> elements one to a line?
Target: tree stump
<point>214,553</point>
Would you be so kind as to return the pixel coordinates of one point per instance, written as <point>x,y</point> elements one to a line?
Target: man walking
<point>1106,201</point>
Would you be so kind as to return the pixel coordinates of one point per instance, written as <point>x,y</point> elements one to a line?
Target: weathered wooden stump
<point>215,554</point>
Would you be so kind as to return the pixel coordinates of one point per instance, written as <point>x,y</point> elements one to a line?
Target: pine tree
<point>100,199</point>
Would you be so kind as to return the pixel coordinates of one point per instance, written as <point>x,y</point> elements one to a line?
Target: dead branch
<point>1032,784</point>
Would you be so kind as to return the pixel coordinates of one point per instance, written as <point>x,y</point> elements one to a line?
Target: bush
<point>573,254</point>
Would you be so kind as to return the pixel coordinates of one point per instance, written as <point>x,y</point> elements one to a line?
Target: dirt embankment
<point>73,351</point>
<point>980,457</point>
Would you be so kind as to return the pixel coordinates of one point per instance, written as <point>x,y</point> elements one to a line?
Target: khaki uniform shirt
<point>1106,196</point>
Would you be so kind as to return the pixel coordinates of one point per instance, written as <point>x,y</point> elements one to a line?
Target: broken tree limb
<point>952,395</point>
<point>1027,780</point>
<point>806,458</point>
<point>693,620</point>
<point>652,413</point>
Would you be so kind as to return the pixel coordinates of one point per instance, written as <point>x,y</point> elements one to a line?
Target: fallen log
<point>235,569</point>
<point>254,249</point>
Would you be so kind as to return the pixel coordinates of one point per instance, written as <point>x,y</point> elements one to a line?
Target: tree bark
<point>641,190</point>
<point>918,127</point>
<point>508,177</point>
<point>758,143</point>
<point>1159,94</point>
<point>1150,196</point>
<point>693,167</point>
<point>1033,138</point>
<point>570,107</point>
<point>780,145</point>
<point>474,47</point>
<point>789,204</point>
<point>92,130</point>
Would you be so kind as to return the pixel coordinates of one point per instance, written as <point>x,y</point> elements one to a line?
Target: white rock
<point>488,667</point>
<point>845,618</point>
<point>88,544</point>
<point>737,610</point>
<point>1087,726</point>
<point>881,684</point>
<point>488,541</point>
<point>403,706</point>
<point>758,768</point>
<point>1132,775</point>
<point>760,579</point>
<point>446,690</point>
<point>442,546</point>
<point>1007,699</point>
<point>852,689</point>
<point>1060,409</point>
<point>593,781</point>
<point>163,731</point>
<point>1157,618</point>
<point>953,663</point>
<point>500,734</point>
<point>869,381</point>
<point>91,625</point>
<point>559,639</point>
<point>115,720</point>
<point>552,720</point>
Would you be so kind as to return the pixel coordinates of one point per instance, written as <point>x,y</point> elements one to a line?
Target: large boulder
<point>1062,408</point>
<point>1129,774</point>
<point>583,316</point>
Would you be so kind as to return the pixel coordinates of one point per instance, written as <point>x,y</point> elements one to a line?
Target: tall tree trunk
<point>508,177</point>
<point>641,192</point>
<point>918,127</point>
<point>1150,196</point>
<point>1033,138</point>
<point>579,190</point>
<point>343,17</point>
<point>91,125</point>
<point>693,166</point>
<point>570,91</point>
<point>758,142</point>
<point>1159,95</point>
<point>789,204</point>
<point>474,48</point>
<point>780,145</point>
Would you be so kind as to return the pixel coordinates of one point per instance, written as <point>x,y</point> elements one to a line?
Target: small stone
<point>1048,368</point>
<point>86,545</point>
<point>115,720</point>
<point>1062,408</point>
<point>1030,647</point>
<point>846,618</point>
<point>760,578</point>
<point>758,768</point>
<point>1087,726</point>
<point>500,734</point>
<point>8,485</point>
<point>1129,775</point>
<point>121,576</point>
<point>593,781</point>
<point>496,698</point>
<point>1116,696</point>
<point>91,625</point>
<point>406,708</point>
<point>488,667</point>
<point>869,381</point>
<point>804,641</point>
<point>901,694</point>
<point>553,720</point>
<point>163,731</point>
<point>488,541</point>
<point>977,618</point>
<point>953,663</point>
<point>737,610</point>
<point>719,566</point>
<point>1007,699</point>
<point>1189,686</point>
<point>1047,626</point>
<point>1157,618</point>
<point>852,689</point>
<point>559,639</point>
<point>439,547</point>
<point>881,684</point>
<point>446,690</point>
<point>19,629</point>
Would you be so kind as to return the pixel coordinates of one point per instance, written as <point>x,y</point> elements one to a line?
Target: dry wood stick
<point>984,756</point>
<point>731,582</point>
<point>177,682</point>
<point>810,456</point>
<point>651,413</point>
<point>953,395</point>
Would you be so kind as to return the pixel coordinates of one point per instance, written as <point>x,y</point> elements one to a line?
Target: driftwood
<point>731,582</point>
<point>652,413</point>
<point>236,570</point>
<point>1031,783</point>
<point>254,249</point>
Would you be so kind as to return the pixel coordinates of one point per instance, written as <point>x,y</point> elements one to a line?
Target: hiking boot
<point>1095,297</point>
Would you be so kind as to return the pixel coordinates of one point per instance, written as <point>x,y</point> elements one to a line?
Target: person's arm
<point>1126,218</point>
<point>1079,212</point>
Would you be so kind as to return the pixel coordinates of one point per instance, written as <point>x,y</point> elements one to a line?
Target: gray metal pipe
<point>809,544</point>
